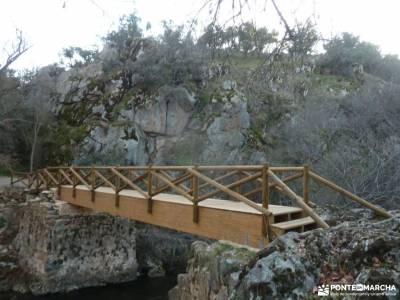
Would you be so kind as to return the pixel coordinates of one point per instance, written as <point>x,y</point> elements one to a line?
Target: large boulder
<point>292,266</point>
<point>62,248</point>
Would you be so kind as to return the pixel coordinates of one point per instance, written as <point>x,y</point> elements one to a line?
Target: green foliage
<point>345,50</point>
<point>389,68</point>
<point>303,39</point>
<point>126,37</point>
<point>79,57</point>
<point>244,39</point>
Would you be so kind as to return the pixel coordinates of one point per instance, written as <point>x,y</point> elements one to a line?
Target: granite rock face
<point>293,265</point>
<point>212,272</point>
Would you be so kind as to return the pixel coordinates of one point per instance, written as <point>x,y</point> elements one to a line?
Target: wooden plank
<point>285,169</point>
<point>293,223</point>
<point>306,184</point>
<point>233,167</point>
<point>195,187</point>
<point>238,227</point>
<point>150,191</point>
<point>265,200</point>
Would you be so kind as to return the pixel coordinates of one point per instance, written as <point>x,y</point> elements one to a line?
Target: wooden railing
<point>244,183</point>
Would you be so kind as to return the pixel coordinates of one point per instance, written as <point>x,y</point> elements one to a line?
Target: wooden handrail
<point>50,176</point>
<point>309,211</point>
<point>232,185</point>
<point>67,174</point>
<point>346,193</point>
<point>80,178</point>
<point>130,183</point>
<point>220,178</point>
<point>229,191</point>
<point>177,181</point>
<point>105,180</point>
<point>173,186</point>
<point>174,181</point>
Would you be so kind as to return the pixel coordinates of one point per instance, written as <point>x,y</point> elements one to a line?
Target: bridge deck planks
<point>219,219</point>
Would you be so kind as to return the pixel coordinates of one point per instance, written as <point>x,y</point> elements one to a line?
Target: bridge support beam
<point>93,184</point>
<point>265,202</point>
<point>150,191</point>
<point>195,189</point>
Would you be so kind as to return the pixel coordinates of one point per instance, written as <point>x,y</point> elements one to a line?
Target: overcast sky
<point>50,25</point>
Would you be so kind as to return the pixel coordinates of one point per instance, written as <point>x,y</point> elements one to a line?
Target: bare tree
<point>18,47</point>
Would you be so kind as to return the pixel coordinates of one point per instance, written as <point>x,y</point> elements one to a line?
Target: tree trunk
<point>36,129</point>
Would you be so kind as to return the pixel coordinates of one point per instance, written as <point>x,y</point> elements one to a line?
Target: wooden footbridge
<point>219,202</point>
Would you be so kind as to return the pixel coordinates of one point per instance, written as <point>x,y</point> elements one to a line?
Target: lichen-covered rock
<point>226,133</point>
<point>292,266</point>
<point>212,271</point>
<point>62,249</point>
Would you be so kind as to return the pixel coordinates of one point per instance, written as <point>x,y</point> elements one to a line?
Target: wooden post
<point>299,200</point>
<point>59,183</point>
<point>37,180</point>
<point>117,187</point>
<point>12,179</point>
<point>93,183</point>
<point>74,184</point>
<point>265,200</point>
<point>306,177</point>
<point>238,189</point>
<point>150,191</point>
<point>195,186</point>
<point>46,184</point>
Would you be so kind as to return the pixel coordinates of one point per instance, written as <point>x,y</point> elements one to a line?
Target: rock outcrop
<point>61,247</point>
<point>49,246</point>
<point>213,271</point>
<point>293,265</point>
